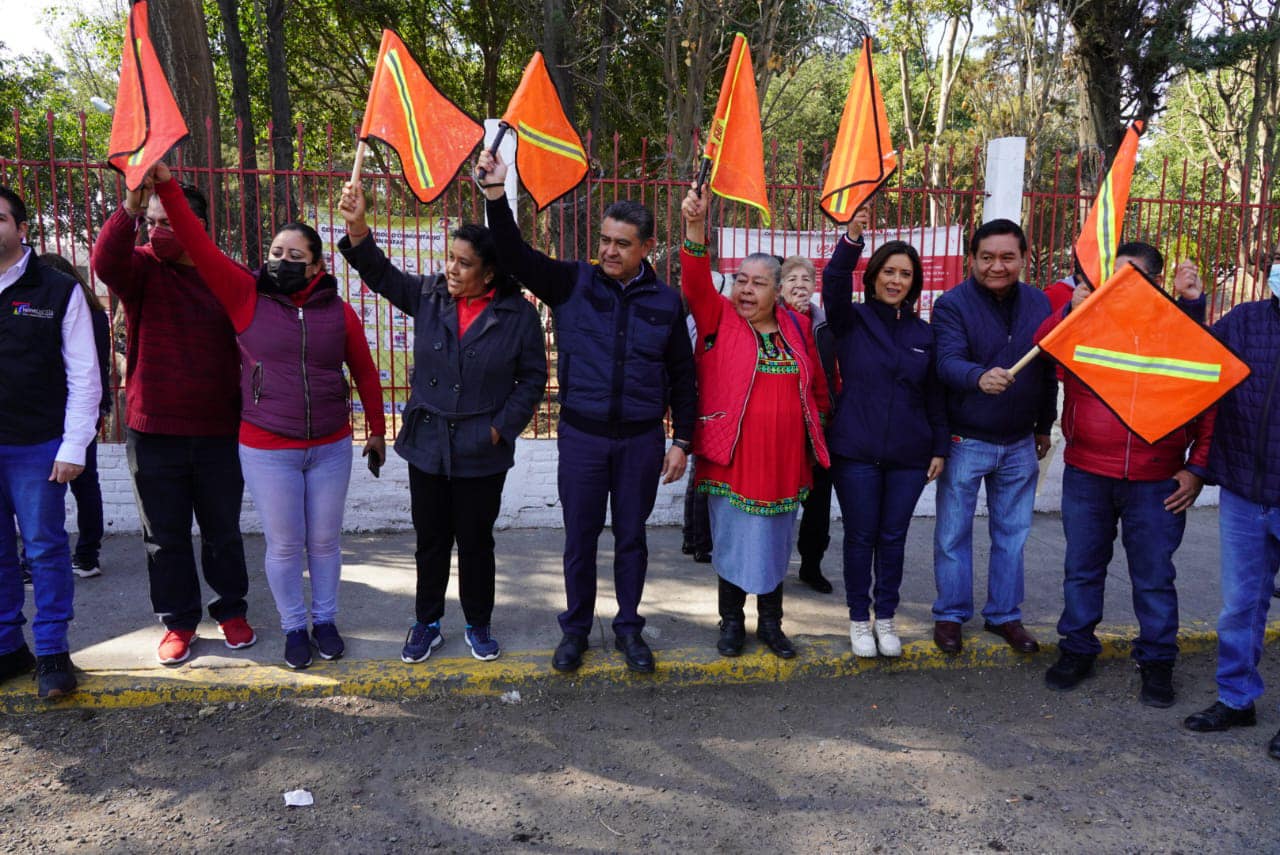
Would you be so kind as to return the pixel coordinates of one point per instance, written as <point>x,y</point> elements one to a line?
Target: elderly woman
<point>480,368</point>
<point>762,396</point>
<point>798,278</point>
<point>888,435</point>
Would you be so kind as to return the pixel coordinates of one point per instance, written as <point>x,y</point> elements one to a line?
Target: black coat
<point>494,377</point>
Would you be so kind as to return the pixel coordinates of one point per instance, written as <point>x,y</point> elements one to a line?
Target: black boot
<point>733,634</point>
<point>769,625</point>
<point>811,575</point>
<point>733,622</point>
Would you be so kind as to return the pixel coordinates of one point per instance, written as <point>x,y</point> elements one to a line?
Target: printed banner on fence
<point>941,253</point>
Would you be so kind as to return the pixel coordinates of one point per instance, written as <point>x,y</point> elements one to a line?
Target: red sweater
<point>236,290</point>
<point>183,367</point>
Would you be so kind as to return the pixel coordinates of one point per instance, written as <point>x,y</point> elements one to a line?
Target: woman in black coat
<point>480,369</point>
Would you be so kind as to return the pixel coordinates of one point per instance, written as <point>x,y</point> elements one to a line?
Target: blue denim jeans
<point>1250,535</point>
<point>27,494</point>
<point>1092,507</point>
<point>1010,473</point>
<point>879,502</point>
<point>301,495</point>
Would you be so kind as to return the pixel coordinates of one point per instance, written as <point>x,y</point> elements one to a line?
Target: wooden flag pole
<point>359,163</point>
<point>1025,361</point>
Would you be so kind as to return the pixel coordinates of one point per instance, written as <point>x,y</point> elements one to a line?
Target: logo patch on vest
<point>26,310</point>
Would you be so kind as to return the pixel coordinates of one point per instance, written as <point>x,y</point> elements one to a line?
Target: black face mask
<point>283,277</point>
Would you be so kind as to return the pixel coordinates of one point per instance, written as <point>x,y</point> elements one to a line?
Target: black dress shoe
<point>1220,717</point>
<point>16,662</point>
<point>1157,684</point>
<point>568,655</point>
<point>771,635</point>
<point>1068,671</point>
<point>1273,747</point>
<point>638,655</point>
<point>702,557</point>
<point>812,576</point>
<point>733,633</point>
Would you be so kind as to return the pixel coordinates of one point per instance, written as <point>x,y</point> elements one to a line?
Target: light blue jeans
<point>1010,472</point>
<point>1250,548</point>
<point>301,495</point>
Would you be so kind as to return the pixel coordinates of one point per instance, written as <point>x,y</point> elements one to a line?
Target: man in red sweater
<point>1113,479</point>
<point>182,415</point>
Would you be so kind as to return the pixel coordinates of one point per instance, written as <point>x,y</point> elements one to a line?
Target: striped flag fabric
<point>1098,241</point>
<point>863,158</point>
<point>146,123</point>
<point>550,157</point>
<point>735,146</point>
<point>430,134</point>
<point>1156,368</point>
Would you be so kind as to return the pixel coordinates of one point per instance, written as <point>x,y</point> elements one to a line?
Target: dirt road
<point>946,761</point>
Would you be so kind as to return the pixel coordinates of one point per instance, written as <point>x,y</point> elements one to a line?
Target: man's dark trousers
<point>596,472</point>
<point>173,478</point>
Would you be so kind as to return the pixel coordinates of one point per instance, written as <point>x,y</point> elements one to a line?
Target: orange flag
<point>431,135</point>
<point>1156,368</point>
<point>147,123</point>
<point>549,156</point>
<point>735,146</point>
<point>1098,241</point>
<point>863,158</point>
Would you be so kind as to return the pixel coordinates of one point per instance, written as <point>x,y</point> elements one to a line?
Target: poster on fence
<point>941,251</point>
<point>417,249</point>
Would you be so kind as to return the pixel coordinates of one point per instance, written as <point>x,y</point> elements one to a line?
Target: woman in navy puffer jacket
<point>888,436</point>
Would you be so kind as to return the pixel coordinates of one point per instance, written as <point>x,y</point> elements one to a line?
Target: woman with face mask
<point>762,398</point>
<point>295,334</point>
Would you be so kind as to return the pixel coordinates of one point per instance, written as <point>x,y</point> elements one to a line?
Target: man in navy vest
<point>623,357</point>
<point>49,393</point>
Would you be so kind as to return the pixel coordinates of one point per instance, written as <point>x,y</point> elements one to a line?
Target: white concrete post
<point>1006,166</point>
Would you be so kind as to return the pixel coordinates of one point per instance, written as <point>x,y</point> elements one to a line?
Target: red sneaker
<point>175,647</point>
<point>238,633</point>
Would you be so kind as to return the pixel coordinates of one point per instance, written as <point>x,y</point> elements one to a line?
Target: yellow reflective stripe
<point>555,145</point>
<point>719,125</point>
<point>411,118</point>
<point>1183,369</point>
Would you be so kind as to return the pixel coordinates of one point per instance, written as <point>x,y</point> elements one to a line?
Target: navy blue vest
<point>33,380</point>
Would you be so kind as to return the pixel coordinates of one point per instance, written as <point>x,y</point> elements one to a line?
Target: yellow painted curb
<point>818,657</point>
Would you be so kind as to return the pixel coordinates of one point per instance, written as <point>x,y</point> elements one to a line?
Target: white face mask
<point>1273,280</point>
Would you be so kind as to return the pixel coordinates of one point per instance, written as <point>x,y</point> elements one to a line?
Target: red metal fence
<point>1192,213</point>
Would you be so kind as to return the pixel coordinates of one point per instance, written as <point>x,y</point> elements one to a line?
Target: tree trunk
<point>608,26</point>
<point>247,135</point>
<point>284,202</point>
<point>908,117</point>
<point>555,50</point>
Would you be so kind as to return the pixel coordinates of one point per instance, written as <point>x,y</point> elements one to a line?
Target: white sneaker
<point>887,639</point>
<point>864,643</point>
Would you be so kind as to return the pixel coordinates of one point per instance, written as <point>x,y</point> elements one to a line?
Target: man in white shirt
<point>49,394</point>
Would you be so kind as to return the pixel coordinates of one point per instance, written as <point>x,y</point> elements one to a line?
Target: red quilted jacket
<point>726,369</point>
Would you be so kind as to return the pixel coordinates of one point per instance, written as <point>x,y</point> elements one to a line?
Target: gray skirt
<point>750,550</point>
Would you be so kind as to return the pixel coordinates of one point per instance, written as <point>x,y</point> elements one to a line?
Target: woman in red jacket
<point>295,334</point>
<point>762,397</point>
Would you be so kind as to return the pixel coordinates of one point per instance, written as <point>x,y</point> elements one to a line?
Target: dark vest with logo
<point>33,380</point>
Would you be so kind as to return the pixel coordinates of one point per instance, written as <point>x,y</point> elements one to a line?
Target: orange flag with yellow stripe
<point>550,157</point>
<point>863,158</point>
<point>146,123</point>
<point>735,146</point>
<point>1096,247</point>
<point>431,135</point>
<point>1156,368</point>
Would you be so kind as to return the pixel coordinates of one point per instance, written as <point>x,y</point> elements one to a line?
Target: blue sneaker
<point>328,641</point>
<point>297,649</point>
<point>483,646</point>
<point>421,640</point>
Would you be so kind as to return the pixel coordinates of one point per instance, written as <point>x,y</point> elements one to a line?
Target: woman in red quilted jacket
<point>762,398</point>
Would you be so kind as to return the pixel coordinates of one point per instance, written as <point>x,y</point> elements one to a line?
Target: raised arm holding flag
<point>733,157</point>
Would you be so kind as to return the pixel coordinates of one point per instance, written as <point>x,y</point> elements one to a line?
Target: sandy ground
<point>944,761</point>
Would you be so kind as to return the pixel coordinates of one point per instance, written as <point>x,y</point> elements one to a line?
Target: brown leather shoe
<point>1015,634</point>
<point>946,634</point>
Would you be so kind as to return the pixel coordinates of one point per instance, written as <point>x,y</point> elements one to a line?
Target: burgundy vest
<point>291,359</point>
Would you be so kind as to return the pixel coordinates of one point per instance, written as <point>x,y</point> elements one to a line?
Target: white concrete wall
<point>529,500</point>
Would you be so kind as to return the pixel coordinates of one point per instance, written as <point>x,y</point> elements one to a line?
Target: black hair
<point>311,236</point>
<point>877,261</point>
<point>196,201</point>
<point>66,268</point>
<point>481,240</point>
<point>996,227</point>
<point>1152,260</point>
<point>17,207</point>
<point>632,213</point>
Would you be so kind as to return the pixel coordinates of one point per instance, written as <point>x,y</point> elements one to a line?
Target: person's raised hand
<point>352,208</point>
<point>1080,294</point>
<point>861,222</point>
<point>160,172</point>
<point>694,209</point>
<point>1187,283</point>
<point>493,182</point>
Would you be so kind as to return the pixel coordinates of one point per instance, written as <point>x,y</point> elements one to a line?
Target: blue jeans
<point>1250,535</point>
<point>27,493</point>
<point>301,495</point>
<point>1010,473</point>
<point>1092,506</point>
<point>877,503</point>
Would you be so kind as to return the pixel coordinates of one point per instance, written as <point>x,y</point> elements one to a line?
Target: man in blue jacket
<point>999,430</point>
<point>1244,460</point>
<point>623,357</point>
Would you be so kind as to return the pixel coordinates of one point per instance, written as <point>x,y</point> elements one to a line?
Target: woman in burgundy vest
<point>295,334</point>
